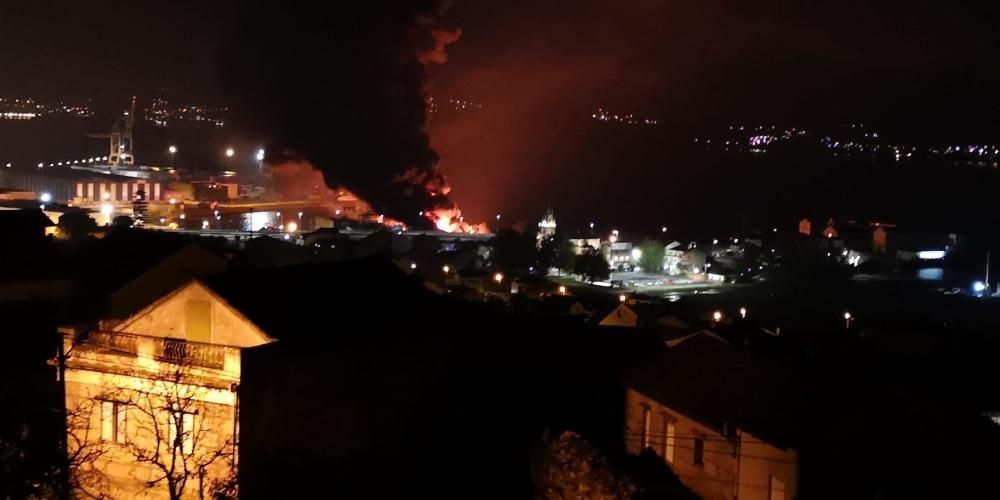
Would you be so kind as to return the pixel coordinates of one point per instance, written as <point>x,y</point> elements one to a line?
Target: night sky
<point>921,71</point>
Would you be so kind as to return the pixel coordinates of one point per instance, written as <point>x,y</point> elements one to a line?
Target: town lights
<point>498,277</point>
<point>717,316</point>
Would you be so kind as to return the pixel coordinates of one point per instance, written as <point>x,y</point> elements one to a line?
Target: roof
<point>24,220</point>
<point>717,383</point>
<point>317,300</point>
<point>123,255</point>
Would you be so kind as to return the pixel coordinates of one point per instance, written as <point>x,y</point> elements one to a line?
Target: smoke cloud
<point>345,89</point>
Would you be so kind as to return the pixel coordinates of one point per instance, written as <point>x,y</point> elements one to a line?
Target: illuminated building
<point>155,394</point>
<point>717,417</point>
<point>546,227</point>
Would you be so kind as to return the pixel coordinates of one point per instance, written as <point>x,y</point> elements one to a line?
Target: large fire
<point>450,220</point>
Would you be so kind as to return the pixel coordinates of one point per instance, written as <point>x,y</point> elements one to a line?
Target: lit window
<point>185,422</point>
<point>699,451</point>
<point>669,441</point>
<point>113,419</point>
<point>645,437</point>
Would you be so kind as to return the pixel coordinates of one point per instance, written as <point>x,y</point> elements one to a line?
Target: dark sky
<point>921,70</point>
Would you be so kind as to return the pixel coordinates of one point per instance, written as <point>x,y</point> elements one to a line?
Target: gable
<point>623,315</point>
<point>163,277</point>
<point>194,313</point>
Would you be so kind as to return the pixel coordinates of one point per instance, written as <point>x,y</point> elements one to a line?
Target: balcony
<point>177,351</point>
<point>119,342</point>
<point>180,351</point>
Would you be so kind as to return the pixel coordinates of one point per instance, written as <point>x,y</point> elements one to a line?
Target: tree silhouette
<point>651,258</point>
<point>591,265</point>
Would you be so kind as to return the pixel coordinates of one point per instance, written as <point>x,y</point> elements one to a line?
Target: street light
<point>45,198</point>
<point>413,265</point>
<point>847,320</point>
<point>172,150</point>
<point>562,289</point>
<point>743,312</point>
<point>446,269</point>
<point>498,223</point>
<point>498,277</point>
<point>230,152</point>
<point>717,316</point>
<point>663,229</point>
<point>292,227</point>
<point>622,298</point>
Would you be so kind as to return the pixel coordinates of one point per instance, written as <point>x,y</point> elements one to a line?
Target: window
<point>185,422</point>
<point>113,419</point>
<point>669,439</point>
<point>198,321</point>
<point>646,421</point>
<point>699,451</point>
<point>776,489</point>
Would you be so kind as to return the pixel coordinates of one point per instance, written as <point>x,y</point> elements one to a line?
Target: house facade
<point>717,463</point>
<point>724,420</point>
<point>152,401</point>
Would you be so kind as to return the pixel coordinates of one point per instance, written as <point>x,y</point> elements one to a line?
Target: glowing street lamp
<point>498,277</point>
<point>230,152</point>
<point>717,316</point>
<point>292,227</point>
<point>498,223</point>
<point>446,269</point>
<point>45,197</point>
<point>562,289</point>
<point>847,320</point>
<point>743,312</point>
<point>663,229</point>
<point>413,265</point>
<point>173,151</point>
<point>622,298</point>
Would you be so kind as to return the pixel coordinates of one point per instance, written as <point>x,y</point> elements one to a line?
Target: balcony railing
<point>183,352</point>
<point>111,340</point>
<point>178,351</point>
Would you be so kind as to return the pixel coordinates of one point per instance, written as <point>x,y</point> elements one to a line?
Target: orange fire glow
<point>450,220</point>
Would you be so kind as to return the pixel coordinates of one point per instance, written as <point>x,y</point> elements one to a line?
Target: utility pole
<point>987,281</point>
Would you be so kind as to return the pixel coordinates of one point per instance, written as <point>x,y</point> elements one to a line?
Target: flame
<point>450,220</point>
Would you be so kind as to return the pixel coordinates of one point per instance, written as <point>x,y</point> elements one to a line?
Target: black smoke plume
<point>343,86</point>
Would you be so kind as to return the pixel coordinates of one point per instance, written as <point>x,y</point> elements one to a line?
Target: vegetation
<point>591,265</point>
<point>651,258</point>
